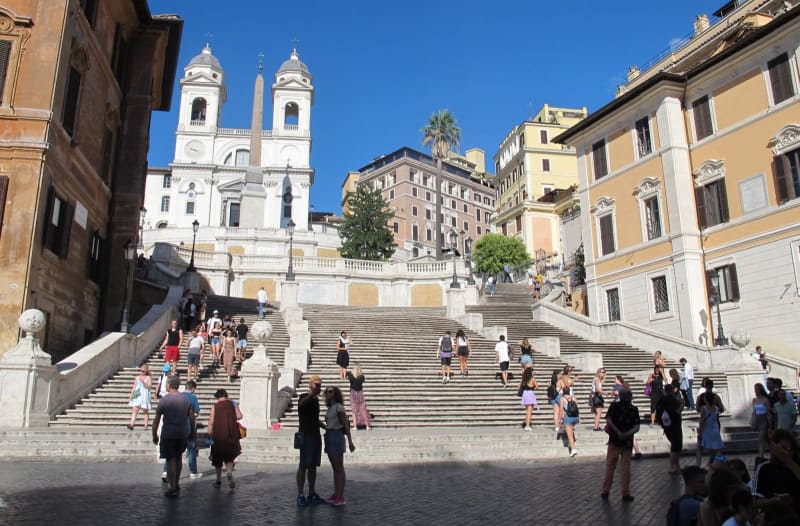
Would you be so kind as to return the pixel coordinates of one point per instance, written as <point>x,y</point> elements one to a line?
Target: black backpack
<point>674,515</point>
<point>187,309</point>
<point>572,408</point>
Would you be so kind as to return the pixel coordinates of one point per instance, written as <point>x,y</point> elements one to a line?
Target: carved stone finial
<point>261,331</point>
<point>740,338</point>
<point>31,321</point>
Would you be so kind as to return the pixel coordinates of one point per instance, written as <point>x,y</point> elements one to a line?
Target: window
<point>189,207</point>
<point>518,223</point>
<point>652,218</point>
<point>107,153</point>
<point>287,203</point>
<point>425,180</point>
<point>395,227</point>
<point>119,56</point>
<point>780,79</point>
<point>477,214</point>
<point>521,139</point>
<point>94,267</point>
<point>487,201</point>
<point>787,176</point>
<point>234,214</point>
<point>543,136</point>
<point>429,234</point>
<point>660,294</point>
<point>701,112</point>
<point>291,115</point>
<point>599,159</point>
<point>453,221</point>
<point>606,234</point>
<point>414,191</point>
<point>712,204</point>
<point>58,221</point>
<point>644,145</point>
<point>545,165</point>
<point>486,217</point>
<point>414,211</point>
<point>165,203</point>
<point>476,197</point>
<point>5,53</point>
<point>166,181</point>
<point>478,230</point>
<point>728,283</point>
<point>391,193</point>
<point>453,204</point>
<point>90,10</point>
<point>71,101</point>
<point>414,233</point>
<point>427,213</point>
<point>612,303</point>
<point>428,196</point>
<point>242,158</point>
<point>198,116</point>
<point>3,194</point>
<point>504,229</point>
<point>466,209</point>
<point>466,226</point>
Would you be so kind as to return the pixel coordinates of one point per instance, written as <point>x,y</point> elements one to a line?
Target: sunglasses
<point>328,391</point>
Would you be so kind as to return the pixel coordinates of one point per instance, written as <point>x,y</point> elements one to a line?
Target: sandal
<point>231,483</point>
<point>217,483</point>
<point>130,427</point>
<point>172,493</point>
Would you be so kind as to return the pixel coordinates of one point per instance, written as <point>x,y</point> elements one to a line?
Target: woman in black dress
<point>657,392</point>
<point>343,354</point>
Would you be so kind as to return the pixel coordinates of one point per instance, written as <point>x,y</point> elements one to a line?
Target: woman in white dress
<point>140,396</point>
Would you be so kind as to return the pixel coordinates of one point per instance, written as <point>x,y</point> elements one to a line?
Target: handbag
<point>136,393</point>
<point>298,440</point>
<point>648,389</point>
<point>242,431</point>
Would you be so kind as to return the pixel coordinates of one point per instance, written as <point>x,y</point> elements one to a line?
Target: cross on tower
<point>294,42</point>
<point>208,39</point>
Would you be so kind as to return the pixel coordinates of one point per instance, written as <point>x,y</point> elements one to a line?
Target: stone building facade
<point>78,80</point>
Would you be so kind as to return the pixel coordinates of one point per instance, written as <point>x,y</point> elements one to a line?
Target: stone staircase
<point>107,405</point>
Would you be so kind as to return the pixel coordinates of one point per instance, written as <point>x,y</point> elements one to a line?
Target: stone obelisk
<point>253,195</point>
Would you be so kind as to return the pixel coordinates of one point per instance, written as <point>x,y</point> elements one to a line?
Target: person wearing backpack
<point>554,398</point>
<point>685,510</point>
<point>622,423</point>
<point>571,412</point>
<point>445,353</point>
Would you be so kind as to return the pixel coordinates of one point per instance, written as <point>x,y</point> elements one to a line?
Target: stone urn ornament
<point>28,350</point>
<point>740,338</point>
<point>260,332</point>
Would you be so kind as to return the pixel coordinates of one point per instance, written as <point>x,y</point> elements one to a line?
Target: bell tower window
<point>291,115</point>
<point>287,203</point>
<point>198,117</point>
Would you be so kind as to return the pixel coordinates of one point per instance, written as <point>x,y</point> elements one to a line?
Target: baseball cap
<point>216,311</point>
<point>166,368</point>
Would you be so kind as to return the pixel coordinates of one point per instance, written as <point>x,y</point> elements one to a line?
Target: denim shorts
<point>571,420</point>
<point>193,358</point>
<point>241,344</point>
<point>334,442</point>
<point>215,340</point>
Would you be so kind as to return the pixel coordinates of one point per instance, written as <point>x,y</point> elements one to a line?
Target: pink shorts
<point>173,354</point>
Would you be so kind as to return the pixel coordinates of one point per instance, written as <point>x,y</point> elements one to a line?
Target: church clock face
<point>194,149</point>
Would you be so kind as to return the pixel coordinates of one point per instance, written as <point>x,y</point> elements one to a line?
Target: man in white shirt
<point>215,335</point>
<point>195,356</point>
<point>501,348</point>
<point>688,375</point>
<point>261,296</point>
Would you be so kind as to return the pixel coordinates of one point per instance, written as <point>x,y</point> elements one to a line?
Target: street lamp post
<point>130,253</point>
<point>290,271</point>
<point>468,253</point>
<point>142,214</point>
<point>195,228</point>
<point>454,244</point>
<point>713,278</point>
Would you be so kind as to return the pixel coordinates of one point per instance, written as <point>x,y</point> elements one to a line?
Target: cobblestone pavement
<point>560,492</point>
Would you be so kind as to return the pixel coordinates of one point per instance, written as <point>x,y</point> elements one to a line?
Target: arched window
<point>291,114</point>
<point>238,158</point>
<point>287,202</point>
<point>198,111</point>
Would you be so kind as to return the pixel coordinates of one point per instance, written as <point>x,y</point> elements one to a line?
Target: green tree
<point>579,272</point>
<point>442,134</point>
<point>365,233</point>
<point>493,251</point>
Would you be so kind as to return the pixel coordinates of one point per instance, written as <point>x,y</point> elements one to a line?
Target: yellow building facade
<point>529,165</point>
<point>691,178</point>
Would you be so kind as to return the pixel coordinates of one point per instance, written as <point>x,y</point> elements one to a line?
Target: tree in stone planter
<point>365,233</point>
<point>493,251</point>
<point>579,271</point>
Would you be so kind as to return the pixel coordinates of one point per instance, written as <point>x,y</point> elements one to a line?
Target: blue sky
<point>381,68</point>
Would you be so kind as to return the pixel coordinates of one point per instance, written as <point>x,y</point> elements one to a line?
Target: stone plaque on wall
<point>753,194</point>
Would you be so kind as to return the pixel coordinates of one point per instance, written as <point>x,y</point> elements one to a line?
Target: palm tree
<point>442,134</point>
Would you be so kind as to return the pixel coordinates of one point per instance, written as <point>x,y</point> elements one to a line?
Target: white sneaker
<point>573,452</point>
<point>164,477</point>
<point>528,428</point>
<point>195,475</point>
<point>444,379</point>
<point>557,429</point>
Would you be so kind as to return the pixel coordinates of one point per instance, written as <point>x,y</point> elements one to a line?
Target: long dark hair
<point>460,334</point>
<point>337,395</point>
<point>527,374</point>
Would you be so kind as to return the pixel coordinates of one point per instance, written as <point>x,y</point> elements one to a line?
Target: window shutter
<point>724,216</point>
<point>700,201</point>
<point>49,228</point>
<point>734,282</point>
<point>5,52</point>
<point>781,193</point>
<point>3,194</point>
<point>780,78</point>
<point>71,101</point>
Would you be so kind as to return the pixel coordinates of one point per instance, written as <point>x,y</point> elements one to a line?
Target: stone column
<point>456,306</point>
<point>27,378</point>
<point>259,383</point>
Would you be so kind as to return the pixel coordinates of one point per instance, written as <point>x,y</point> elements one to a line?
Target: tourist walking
<point>654,388</point>
<point>526,392</point>
<point>194,356</point>
<point>622,419</point>
<point>361,416</point>
<point>597,397</point>
<point>337,428</point>
<point>189,314</point>
<point>761,418</point>
<point>178,428</point>
<point>444,351</point>
<point>687,382</point>
<point>241,340</point>
<point>669,415</point>
<point>309,442</point>
<point>785,412</point>
<point>554,398</point>
<point>140,396</point>
<point>191,444</point>
<point>343,354</point>
<point>708,429</point>
<point>172,343</point>
<point>215,329</point>
<point>507,274</point>
<point>201,312</point>
<point>503,358</point>
<point>261,297</point>
<point>464,348</point>
<point>571,412</point>
<point>490,285</point>
<point>223,428</point>
<point>525,354</point>
<point>228,353</point>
